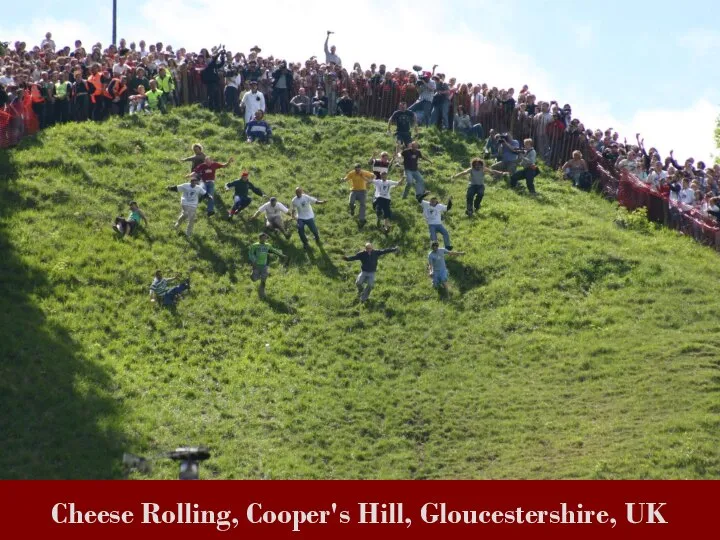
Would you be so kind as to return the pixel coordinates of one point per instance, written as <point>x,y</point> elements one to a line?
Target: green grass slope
<point>569,347</point>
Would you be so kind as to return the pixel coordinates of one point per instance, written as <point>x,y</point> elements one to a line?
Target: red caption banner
<point>357,509</point>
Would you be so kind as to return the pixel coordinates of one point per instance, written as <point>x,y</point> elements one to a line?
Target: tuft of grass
<point>568,348</point>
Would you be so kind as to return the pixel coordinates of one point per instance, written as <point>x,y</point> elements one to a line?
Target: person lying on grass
<point>129,225</point>
<point>161,292</point>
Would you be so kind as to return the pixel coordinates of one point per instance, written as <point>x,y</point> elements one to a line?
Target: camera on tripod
<point>189,458</point>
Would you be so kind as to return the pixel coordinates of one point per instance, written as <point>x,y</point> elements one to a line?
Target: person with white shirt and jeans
<point>273,211</point>
<point>191,193</point>
<point>302,211</point>
<point>432,212</point>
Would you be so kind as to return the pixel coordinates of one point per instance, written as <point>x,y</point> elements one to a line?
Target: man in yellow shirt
<point>358,179</point>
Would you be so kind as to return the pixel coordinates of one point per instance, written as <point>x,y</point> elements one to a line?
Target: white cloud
<point>397,34</point>
<point>700,41</point>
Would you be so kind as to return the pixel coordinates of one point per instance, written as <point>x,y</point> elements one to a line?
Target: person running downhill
<point>358,179</point>
<point>191,193</point>
<point>198,157</point>
<point>160,290</point>
<point>433,211</point>
<point>206,170</point>
<point>241,199</point>
<point>476,186</point>
<point>273,211</point>
<point>411,156</point>
<point>436,265</point>
<point>404,120</point>
<point>302,208</point>
<point>259,254</point>
<point>382,199</point>
<point>368,260</point>
<point>381,165</point>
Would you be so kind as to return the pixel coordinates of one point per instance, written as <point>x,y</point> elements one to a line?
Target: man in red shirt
<point>206,170</point>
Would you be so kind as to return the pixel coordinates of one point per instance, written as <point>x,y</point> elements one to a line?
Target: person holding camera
<point>529,168</point>
<point>508,150</point>
<point>210,76</point>
<point>282,84</point>
<point>253,101</point>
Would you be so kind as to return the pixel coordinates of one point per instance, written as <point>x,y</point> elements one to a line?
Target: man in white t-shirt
<point>302,211</point>
<point>273,211</point>
<point>381,201</point>
<point>121,68</point>
<point>432,212</point>
<point>656,175</point>
<point>191,193</point>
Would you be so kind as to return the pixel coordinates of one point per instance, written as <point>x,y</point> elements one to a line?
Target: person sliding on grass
<point>476,186</point>
<point>242,187</point>
<point>436,265</point>
<point>259,254</point>
<point>161,291</point>
<point>368,266</point>
<point>128,226</point>
<point>273,216</point>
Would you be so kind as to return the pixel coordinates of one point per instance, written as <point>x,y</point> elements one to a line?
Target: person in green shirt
<point>129,225</point>
<point>155,98</point>
<point>259,253</point>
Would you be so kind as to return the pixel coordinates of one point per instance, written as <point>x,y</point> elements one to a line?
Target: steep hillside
<point>569,347</point>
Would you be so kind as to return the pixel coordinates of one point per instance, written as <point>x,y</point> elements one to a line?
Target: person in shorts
<point>259,256</point>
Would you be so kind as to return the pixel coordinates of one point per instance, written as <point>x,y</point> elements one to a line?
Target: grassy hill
<point>569,347</point>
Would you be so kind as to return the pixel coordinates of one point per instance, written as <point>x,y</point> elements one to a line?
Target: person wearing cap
<point>258,129</point>
<point>191,193</point>
<point>252,102</point>
<point>368,267</point>
<point>252,72</point>
<point>259,254</point>
<point>432,212</point>
<point>436,265</point>
<point>381,200</point>
<point>242,188</point>
<point>358,179</point>
<point>206,171</point>
<point>302,212</point>
<point>273,211</point>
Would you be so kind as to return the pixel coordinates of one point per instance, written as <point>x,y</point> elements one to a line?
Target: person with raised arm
<point>368,267</point>
<point>436,265</point>
<point>476,185</point>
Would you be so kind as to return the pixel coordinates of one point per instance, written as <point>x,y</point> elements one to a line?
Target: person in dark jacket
<point>368,266</point>
<point>242,188</point>
<point>211,78</point>
<point>282,84</point>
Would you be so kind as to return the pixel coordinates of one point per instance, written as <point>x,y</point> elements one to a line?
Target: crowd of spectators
<point>79,83</point>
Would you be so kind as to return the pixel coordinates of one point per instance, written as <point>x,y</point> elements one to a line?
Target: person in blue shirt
<point>258,129</point>
<point>436,265</point>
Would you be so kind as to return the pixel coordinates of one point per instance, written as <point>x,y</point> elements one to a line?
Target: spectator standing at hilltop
<point>441,102</point>
<point>252,102</point>
<point>330,56</point>
<point>368,267</point>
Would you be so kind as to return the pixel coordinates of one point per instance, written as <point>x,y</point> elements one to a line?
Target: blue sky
<point>634,66</point>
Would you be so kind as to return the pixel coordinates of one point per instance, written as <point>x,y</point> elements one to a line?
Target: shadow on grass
<point>219,265</point>
<point>466,277</point>
<point>59,418</point>
<point>323,262</point>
